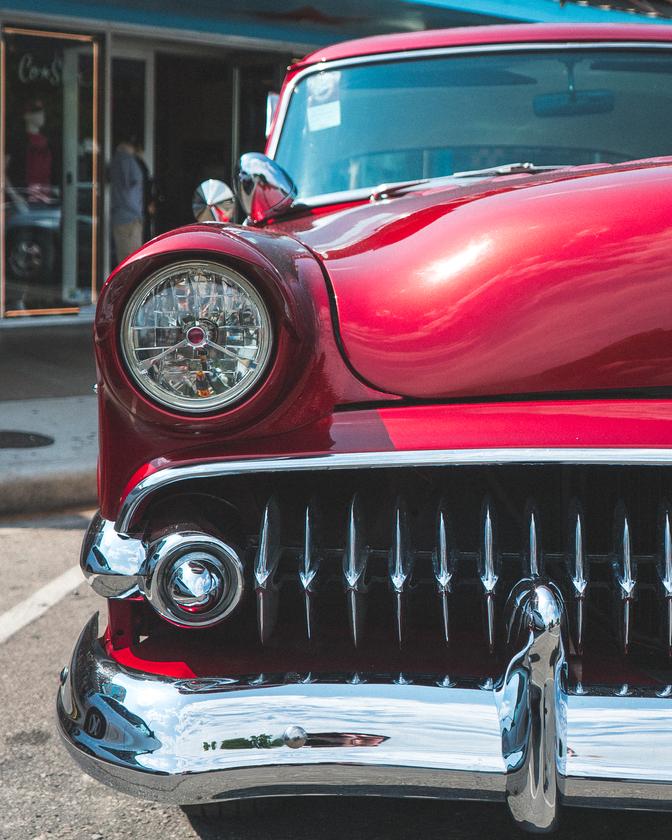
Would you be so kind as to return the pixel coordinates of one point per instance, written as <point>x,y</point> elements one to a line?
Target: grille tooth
<point>443,561</point>
<point>400,564</point>
<point>265,567</point>
<point>489,569</point>
<point>664,564</point>
<point>354,569</point>
<point>624,572</point>
<point>578,569</point>
<point>310,562</point>
<point>533,556</point>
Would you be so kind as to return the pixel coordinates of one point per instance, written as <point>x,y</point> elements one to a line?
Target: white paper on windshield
<point>324,116</point>
<point>324,104</point>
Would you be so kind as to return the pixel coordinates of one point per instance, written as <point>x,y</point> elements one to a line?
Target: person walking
<point>148,194</point>
<point>127,199</point>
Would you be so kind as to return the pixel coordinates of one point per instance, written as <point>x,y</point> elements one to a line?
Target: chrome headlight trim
<point>140,375</point>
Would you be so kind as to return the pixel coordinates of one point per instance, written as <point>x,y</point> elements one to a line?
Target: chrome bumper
<point>525,740</point>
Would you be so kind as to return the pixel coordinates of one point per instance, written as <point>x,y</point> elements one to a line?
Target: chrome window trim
<point>432,52</point>
<point>617,456</point>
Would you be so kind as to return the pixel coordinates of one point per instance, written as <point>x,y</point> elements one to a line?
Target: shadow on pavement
<point>335,818</point>
<point>68,521</point>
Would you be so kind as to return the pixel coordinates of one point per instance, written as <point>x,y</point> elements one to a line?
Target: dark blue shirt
<point>127,187</point>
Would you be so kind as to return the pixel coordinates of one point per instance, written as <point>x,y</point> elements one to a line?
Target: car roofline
<point>485,35</point>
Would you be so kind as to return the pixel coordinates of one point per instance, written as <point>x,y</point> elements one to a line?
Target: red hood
<point>519,285</point>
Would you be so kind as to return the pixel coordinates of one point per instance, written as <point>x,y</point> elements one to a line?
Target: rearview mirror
<point>574,103</point>
<point>264,188</point>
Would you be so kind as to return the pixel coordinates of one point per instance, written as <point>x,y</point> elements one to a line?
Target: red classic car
<point>385,483</point>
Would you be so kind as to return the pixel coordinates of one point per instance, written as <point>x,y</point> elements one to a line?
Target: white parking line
<point>38,603</point>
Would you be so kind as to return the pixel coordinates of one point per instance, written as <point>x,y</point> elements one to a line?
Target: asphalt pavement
<point>43,795</point>
<point>43,361</point>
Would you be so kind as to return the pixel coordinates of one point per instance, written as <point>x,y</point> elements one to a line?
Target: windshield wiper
<point>508,169</point>
<point>383,191</point>
<point>387,190</point>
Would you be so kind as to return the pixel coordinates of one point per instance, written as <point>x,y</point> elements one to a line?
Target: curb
<point>33,491</point>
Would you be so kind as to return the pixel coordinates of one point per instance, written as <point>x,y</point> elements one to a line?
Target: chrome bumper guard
<point>524,738</point>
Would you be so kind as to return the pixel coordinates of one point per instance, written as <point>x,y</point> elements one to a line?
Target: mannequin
<point>30,160</point>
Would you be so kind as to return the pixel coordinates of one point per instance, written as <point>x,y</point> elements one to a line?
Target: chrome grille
<point>411,558</point>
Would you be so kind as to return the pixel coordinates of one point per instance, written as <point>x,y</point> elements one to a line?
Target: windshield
<point>364,125</point>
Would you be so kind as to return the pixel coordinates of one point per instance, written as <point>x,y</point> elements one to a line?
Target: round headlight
<point>196,336</point>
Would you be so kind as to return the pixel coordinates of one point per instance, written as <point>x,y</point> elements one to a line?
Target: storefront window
<point>50,178</point>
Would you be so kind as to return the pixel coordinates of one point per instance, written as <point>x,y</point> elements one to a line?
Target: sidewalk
<point>57,475</point>
<point>46,378</point>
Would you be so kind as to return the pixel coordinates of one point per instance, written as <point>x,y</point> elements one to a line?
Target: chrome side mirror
<point>213,201</point>
<point>264,188</point>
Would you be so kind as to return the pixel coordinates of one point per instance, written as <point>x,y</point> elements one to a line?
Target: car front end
<point>385,501</point>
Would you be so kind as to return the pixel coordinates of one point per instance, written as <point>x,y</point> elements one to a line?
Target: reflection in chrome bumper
<point>199,740</point>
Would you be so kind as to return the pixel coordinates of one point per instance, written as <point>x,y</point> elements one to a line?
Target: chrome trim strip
<point>409,55</point>
<point>619,456</point>
<point>408,735</point>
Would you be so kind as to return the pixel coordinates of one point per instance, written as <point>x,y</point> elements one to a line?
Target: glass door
<point>49,184</point>
<point>132,132</point>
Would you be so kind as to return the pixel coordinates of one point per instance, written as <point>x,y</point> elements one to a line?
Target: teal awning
<point>564,11</point>
<point>305,24</point>
<point>309,23</point>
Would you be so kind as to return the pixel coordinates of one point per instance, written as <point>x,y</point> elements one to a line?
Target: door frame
<point>95,42</point>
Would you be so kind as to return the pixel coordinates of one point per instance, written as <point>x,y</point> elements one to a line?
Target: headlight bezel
<point>218,403</point>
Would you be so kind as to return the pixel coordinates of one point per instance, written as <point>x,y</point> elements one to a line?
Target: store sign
<point>30,70</point>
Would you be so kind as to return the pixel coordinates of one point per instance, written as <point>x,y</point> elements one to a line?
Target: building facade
<point>184,89</point>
